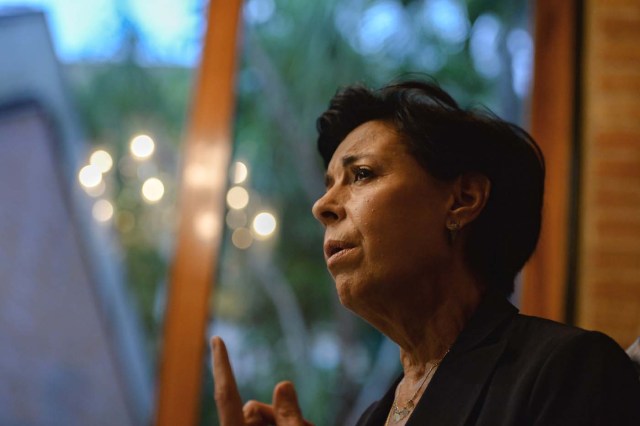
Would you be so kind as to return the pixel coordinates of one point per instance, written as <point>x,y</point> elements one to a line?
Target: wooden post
<point>207,151</point>
<point>552,126</point>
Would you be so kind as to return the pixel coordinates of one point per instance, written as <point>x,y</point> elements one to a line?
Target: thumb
<point>285,405</point>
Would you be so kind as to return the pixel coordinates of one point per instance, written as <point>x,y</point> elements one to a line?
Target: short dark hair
<point>449,141</point>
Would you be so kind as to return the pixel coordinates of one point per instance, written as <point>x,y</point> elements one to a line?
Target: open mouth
<point>333,247</point>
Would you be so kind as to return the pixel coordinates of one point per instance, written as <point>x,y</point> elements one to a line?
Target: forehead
<point>373,138</point>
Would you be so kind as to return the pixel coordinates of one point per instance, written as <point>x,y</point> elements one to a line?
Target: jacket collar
<point>450,397</point>
<point>492,311</point>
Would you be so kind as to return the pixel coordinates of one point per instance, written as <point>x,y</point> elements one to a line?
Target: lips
<point>334,248</point>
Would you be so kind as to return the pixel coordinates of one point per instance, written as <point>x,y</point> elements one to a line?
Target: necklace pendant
<point>401,414</point>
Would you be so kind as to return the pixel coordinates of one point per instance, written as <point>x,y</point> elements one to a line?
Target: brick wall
<point>608,296</point>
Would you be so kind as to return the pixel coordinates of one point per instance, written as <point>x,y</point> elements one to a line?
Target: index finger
<point>226,392</point>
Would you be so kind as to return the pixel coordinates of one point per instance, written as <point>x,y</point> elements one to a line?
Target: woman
<point>429,213</point>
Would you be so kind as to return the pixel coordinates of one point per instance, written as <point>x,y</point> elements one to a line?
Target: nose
<point>327,209</point>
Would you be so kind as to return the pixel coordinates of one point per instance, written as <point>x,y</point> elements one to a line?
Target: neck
<point>427,345</point>
<point>427,330</point>
<point>424,316</point>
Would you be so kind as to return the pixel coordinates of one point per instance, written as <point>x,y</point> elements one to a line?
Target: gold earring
<point>453,227</point>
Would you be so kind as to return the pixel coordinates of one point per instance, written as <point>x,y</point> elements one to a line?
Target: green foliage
<point>145,268</point>
<point>117,100</point>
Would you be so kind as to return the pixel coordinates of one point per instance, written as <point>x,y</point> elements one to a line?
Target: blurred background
<point>94,100</point>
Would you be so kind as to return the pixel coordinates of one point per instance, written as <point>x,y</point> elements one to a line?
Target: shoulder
<point>542,327</point>
<point>543,336</point>
<point>542,343</point>
<point>572,371</point>
<point>541,351</point>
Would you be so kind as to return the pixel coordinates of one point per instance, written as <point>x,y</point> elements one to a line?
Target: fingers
<point>226,392</point>
<point>285,405</point>
<point>284,412</point>
<point>258,414</point>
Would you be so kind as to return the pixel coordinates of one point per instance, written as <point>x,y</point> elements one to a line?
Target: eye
<point>361,173</point>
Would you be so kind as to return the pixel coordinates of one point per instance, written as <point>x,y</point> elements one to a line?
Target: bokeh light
<point>90,176</point>
<point>485,45</point>
<point>96,191</point>
<point>258,11</point>
<point>236,219</point>
<point>240,172</point>
<point>102,210</point>
<point>237,197</point>
<point>142,146</point>
<point>264,224</point>
<point>152,190</point>
<point>206,225</point>
<point>102,160</point>
<point>199,176</point>
<point>242,238</point>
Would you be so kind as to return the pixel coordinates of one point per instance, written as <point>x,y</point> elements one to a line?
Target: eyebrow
<point>347,160</point>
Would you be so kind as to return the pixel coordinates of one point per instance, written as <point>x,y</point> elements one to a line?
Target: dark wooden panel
<point>552,118</point>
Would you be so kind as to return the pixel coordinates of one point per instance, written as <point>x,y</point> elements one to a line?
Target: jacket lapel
<point>458,383</point>
<point>454,390</point>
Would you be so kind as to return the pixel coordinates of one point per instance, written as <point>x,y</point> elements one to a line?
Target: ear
<point>470,192</point>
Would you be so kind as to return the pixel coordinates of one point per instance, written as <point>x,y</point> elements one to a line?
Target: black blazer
<point>510,369</point>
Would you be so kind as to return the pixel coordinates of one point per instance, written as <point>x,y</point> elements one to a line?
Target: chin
<point>345,292</point>
<point>344,295</point>
<point>350,294</point>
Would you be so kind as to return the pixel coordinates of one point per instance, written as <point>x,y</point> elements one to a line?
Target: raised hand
<point>284,410</point>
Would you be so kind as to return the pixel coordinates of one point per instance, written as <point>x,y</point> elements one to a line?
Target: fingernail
<point>287,390</point>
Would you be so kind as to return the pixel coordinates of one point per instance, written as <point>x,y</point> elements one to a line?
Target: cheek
<point>405,232</point>
<point>364,215</point>
<point>388,216</point>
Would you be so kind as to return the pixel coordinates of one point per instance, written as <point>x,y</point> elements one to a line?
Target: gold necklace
<point>399,414</point>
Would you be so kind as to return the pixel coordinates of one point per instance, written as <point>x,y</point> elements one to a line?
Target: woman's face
<point>384,219</point>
